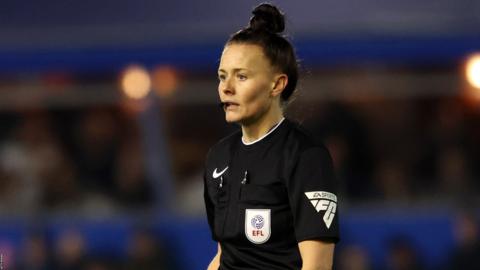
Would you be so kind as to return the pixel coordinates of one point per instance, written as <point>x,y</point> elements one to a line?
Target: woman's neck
<point>254,131</point>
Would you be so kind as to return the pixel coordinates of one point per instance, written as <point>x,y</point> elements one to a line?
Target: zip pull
<point>244,181</point>
<point>221,182</point>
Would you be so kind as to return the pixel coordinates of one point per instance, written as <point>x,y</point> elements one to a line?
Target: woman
<point>268,187</point>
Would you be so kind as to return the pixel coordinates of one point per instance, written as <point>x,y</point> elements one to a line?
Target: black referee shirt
<point>265,197</point>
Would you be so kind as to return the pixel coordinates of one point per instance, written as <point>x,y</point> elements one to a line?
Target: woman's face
<point>246,81</point>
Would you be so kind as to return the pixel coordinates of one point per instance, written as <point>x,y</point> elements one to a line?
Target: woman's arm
<point>215,263</point>
<point>316,255</point>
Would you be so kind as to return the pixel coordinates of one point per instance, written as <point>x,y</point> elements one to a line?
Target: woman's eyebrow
<point>234,70</point>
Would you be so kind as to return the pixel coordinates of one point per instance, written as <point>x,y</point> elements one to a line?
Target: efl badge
<point>324,201</point>
<point>257,225</point>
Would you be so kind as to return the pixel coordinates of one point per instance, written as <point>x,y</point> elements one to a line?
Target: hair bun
<point>267,18</point>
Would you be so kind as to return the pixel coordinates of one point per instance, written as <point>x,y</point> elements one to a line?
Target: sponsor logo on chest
<point>258,225</point>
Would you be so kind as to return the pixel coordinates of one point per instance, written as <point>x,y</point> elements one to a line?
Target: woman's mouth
<point>229,106</point>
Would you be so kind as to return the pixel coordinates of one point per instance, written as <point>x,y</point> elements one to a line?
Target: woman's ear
<point>279,84</point>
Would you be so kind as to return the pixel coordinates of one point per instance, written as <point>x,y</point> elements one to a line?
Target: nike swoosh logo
<point>218,174</point>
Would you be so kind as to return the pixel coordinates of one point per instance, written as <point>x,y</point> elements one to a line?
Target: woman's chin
<point>229,118</point>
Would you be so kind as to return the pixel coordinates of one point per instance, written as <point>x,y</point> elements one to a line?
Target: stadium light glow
<point>164,80</point>
<point>136,82</point>
<point>473,70</point>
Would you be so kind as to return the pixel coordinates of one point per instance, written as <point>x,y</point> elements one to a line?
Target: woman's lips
<point>229,106</point>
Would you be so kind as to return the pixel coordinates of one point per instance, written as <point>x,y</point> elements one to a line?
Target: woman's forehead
<point>243,56</point>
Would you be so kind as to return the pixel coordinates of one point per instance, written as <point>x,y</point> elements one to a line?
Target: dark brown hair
<point>265,30</point>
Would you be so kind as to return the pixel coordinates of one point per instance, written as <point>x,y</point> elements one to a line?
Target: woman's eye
<point>221,77</point>
<point>241,77</point>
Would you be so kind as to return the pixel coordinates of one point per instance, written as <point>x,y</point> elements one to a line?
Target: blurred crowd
<point>69,250</point>
<point>403,254</point>
<point>89,161</point>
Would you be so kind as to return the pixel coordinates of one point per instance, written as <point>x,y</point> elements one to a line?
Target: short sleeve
<point>313,196</point>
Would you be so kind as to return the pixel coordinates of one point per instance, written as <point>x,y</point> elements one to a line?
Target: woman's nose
<point>227,87</point>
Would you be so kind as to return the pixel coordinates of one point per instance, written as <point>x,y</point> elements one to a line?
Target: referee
<point>269,188</point>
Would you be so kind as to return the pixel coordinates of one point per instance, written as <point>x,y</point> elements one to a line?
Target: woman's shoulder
<point>223,146</point>
<point>303,139</point>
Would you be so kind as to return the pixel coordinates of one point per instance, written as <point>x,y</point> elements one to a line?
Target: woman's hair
<point>265,30</point>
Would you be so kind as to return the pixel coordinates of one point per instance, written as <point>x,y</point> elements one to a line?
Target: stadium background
<point>107,110</point>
